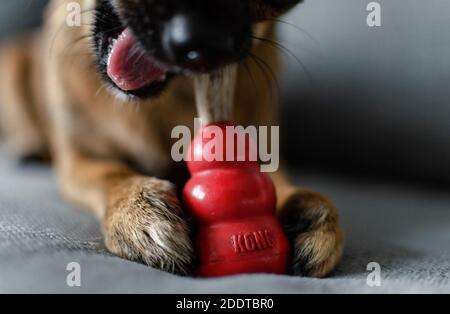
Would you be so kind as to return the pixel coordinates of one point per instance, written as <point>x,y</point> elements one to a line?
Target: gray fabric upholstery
<point>405,229</point>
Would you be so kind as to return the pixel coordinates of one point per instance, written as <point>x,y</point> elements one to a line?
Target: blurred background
<point>19,15</point>
<point>378,100</point>
<point>356,99</point>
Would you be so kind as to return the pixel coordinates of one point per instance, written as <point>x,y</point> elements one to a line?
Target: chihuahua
<point>100,99</point>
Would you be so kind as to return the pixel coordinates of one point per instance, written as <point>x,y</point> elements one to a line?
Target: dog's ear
<point>267,9</point>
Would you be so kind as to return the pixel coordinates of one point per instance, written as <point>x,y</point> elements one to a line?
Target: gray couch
<point>369,128</point>
<point>405,229</point>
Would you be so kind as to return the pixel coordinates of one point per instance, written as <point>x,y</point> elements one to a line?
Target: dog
<point>100,99</point>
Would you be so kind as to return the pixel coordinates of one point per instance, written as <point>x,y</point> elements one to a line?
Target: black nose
<point>199,45</point>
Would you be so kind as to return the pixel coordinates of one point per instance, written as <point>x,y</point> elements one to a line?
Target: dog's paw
<point>311,223</point>
<point>144,222</point>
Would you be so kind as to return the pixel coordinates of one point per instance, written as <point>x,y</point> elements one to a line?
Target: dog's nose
<point>197,45</point>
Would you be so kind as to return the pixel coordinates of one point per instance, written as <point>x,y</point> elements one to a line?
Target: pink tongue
<point>129,66</point>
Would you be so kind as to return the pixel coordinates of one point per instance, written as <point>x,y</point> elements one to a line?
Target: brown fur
<point>53,100</point>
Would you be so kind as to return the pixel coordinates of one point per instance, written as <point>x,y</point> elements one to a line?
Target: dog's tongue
<point>130,67</point>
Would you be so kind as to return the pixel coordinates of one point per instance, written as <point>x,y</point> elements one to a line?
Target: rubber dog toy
<point>233,202</point>
<point>234,205</point>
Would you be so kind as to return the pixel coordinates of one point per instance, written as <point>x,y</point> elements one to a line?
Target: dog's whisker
<point>263,71</point>
<point>249,74</point>
<point>77,40</point>
<point>296,27</point>
<point>287,52</point>
<point>271,73</point>
<point>100,90</point>
<point>134,51</point>
<point>112,29</point>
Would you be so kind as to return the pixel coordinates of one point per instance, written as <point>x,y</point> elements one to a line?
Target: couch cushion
<point>404,229</point>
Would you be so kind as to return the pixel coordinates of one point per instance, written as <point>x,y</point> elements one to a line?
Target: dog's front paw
<point>144,222</point>
<point>311,223</point>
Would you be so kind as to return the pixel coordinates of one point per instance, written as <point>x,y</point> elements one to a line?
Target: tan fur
<point>215,95</point>
<point>54,96</point>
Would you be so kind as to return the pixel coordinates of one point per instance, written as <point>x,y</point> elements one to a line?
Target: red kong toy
<point>234,205</point>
